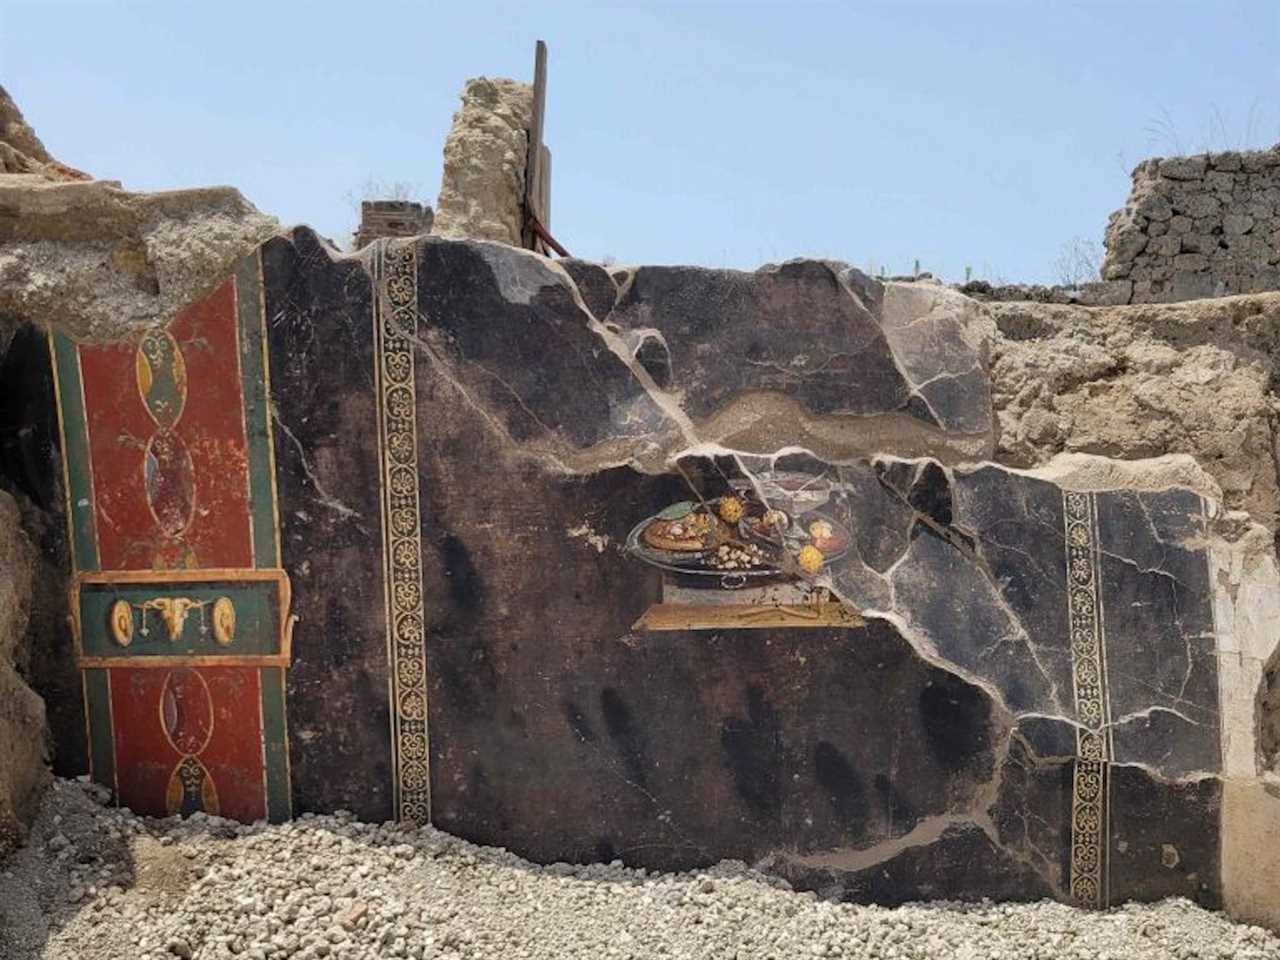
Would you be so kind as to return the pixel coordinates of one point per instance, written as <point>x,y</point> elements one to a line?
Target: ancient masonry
<point>1201,226</point>
<point>391,218</point>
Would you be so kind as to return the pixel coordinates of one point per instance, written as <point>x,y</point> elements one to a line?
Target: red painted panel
<point>213,714</point>
<point>172,492</point>
<point>212,425</point>
<point>119,429</point>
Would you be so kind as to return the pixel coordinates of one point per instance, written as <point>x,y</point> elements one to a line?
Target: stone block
<point>1180,224</point>
<point>1124,242</point>
<point>1166,246</point>
<point>1220,183</point>
<point>1229,161</point>
<point>1105,294</point>
<point>1261,160</point>
<point>1235,225</point>
<point>1153,207</point>
<point>1182,168</point>
<point>1190,262</point>
<point>1265,278</point>
<point>1191,286</point>
<point>1201,205</point>
<point>1198,243</point>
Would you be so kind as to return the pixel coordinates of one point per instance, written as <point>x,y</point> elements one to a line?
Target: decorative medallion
<point>121,622</point>
<point>395,330</point>
<point>224,621</point>
<point>1089,790</point>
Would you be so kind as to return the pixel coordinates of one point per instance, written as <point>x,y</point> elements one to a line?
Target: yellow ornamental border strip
<point>1089,787</point>
<point>395,332</point>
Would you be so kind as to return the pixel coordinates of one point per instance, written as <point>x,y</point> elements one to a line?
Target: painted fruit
<point>731,510</point>
<point>810,560</point>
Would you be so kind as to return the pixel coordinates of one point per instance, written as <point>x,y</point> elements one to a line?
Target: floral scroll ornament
<point>396,332</point>
<point>1089,780</point>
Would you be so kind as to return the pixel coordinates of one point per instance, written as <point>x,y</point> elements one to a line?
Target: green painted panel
<point>279,803</point>
<point>256,625</point>
<point>102,753</point>
<point>257,412</point>
<point>75,445</point>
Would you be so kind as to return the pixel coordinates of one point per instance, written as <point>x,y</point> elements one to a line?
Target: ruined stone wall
<point>1200,226</point>
<point>392,218</point>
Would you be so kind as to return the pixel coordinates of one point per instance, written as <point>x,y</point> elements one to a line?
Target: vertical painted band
<point>102,756</point>
<point>276,748</point>
<point>395,331</point>
<point>1090,786</point>
<point>257,412</point>
<point>75,451</point>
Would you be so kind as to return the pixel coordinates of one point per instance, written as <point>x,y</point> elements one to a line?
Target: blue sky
<point>959,134</point>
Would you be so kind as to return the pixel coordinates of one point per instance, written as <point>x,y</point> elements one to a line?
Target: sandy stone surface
<point>1142,381</point>
<point>101,262</point>
<point>98,884</point>
<point>22,729</point>
<point>482,188</point>
<point>21,150</point>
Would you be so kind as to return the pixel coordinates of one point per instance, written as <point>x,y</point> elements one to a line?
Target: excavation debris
<point>97,883</point>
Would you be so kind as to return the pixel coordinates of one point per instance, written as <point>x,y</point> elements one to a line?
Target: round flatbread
<point>660,536</point>
<point>689,534</point>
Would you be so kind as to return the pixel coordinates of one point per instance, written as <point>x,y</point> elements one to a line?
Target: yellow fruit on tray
<point>820,530</point>
<point>731,510</point>
<point>811,560</point>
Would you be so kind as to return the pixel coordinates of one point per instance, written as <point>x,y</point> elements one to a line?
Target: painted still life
<point>769,528</point>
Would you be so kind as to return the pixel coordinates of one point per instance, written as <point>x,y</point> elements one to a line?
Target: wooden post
<point>534,172</point>
<point>544,189</point>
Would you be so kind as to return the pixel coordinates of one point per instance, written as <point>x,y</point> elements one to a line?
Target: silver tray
<point>689,563</point>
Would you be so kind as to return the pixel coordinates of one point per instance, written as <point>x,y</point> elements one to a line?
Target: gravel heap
<point>97,883</point>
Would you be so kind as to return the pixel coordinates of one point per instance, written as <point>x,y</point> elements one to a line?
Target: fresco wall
<point>664,565</point>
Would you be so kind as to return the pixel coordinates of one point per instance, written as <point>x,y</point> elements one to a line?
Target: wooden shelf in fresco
<point>747,616</point>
